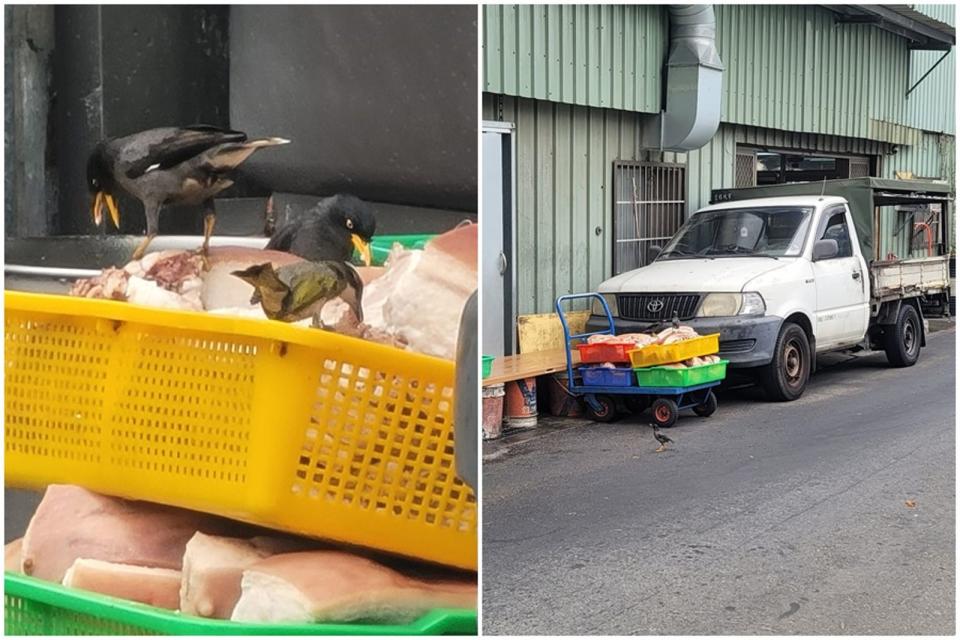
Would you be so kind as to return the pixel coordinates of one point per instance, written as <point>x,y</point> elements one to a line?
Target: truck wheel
<point>708,407</point>
<point>902,340</point>
<point>665,412</point>
<point>607,412</point>
<point>785,378</point>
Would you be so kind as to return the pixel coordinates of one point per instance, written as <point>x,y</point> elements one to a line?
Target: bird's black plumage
<point>662,439</point>
<point>168,165</point>
<point>325,231</point>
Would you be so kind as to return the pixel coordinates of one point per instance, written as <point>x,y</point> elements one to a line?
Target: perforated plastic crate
<point>604,352</point>
<point>607,377</point>
<point>657,354</point>
<point>288,427</point>
<point>35,607</point>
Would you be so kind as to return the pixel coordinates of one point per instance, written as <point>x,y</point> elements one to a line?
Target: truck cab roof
<point>779,201</point>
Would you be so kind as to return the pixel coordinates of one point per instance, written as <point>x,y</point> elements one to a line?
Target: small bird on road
<point>169,165</point>
<point>300,290</point>
<point>662,439</point>
<point>330,231</point>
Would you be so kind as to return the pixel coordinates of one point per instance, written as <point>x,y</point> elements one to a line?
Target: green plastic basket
<point>38,607</point>
<point>488,365</point>
<point>687,377</point>
<point>380,246</point>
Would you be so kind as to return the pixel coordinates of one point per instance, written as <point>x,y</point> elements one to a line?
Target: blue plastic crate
<point>607,377</point>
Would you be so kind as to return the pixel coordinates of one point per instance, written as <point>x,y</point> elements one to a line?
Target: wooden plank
<point>543,331</point>
<point>528,365</point>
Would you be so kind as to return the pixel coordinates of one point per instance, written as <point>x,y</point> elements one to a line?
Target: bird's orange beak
<point>101,200</point>
<point>362,247</point>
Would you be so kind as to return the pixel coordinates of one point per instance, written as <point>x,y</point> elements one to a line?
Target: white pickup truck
<point>782,279</point>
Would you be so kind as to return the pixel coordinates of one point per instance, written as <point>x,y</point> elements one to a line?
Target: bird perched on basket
<point>662,439</point>
<point>169,165</point>
<point>329,231</point>
<point>300,290</point>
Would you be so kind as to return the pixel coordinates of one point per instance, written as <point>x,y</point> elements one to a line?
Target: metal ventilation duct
<point>694,79</point>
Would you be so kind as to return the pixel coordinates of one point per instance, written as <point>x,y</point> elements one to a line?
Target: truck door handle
<point>502,259</point>
<point>856,275</point>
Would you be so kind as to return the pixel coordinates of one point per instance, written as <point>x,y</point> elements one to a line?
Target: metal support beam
<point>929,71</point>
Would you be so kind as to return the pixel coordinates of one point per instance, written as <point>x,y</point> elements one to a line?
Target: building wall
<point>606,56</point>
<point>789,67</point>
<point>564,172</point>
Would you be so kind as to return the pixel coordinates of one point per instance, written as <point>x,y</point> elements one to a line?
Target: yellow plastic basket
<point>287,427</point>
<point>658,354</point>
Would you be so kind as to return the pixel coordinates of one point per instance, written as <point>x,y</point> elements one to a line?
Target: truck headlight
<point>731,304</point>
<point>611,299</point>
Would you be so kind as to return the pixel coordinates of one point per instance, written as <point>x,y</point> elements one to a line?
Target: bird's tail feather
<point>266,142</point>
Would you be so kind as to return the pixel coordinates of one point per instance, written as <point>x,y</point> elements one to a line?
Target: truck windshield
<point>755,231</point>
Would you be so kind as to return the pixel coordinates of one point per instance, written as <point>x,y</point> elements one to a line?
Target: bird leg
<point>151,212</point>
<point>208,221</point>
<point>141,249</point>
<point>661,448</point>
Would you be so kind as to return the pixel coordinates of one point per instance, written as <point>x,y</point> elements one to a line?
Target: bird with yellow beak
<point>331,230</point>
<point>168,165</point>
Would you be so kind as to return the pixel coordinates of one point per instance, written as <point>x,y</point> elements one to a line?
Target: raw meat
<point>424,307</point>
<point>72,523</point>
<point>11,556</point>
<point>324,586</point>
<point>213,567</point>
<point>156,587</point>
<point>632,339</point>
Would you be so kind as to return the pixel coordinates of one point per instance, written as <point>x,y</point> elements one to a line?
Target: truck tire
<point>608,409</point>
<point>785,378</point>
<point>901,341</point>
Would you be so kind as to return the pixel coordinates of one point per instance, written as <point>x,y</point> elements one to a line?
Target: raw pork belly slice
<point>73,523</point>
<point>157,587</point>
<point>332,586</point>
<point>213,567</point>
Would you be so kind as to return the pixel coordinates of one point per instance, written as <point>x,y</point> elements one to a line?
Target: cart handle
<point>567,338</point>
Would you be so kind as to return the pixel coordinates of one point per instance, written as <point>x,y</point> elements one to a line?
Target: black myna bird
<point>300,290</point>
<point>329,231</point>
<point>662,439</point>
<point>169,165</point>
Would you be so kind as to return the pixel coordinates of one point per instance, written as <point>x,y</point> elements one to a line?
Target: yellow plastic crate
<point>658,354</point>
<point>287,427</point>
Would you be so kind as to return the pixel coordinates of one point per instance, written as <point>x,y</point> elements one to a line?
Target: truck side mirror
<point>653,251</point>
<point>825,249</point>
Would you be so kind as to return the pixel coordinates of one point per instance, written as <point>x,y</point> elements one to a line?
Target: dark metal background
<point>380,101</point>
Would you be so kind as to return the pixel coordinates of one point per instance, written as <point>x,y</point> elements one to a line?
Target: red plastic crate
<point>602,352</point>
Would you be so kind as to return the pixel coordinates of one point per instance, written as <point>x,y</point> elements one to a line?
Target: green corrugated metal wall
<point>565,157</point>
<point>788,67</point>
<point>593,55</point>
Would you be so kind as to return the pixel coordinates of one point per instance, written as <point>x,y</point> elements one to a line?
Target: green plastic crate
<point>380,246</point>
<point>38,607</point>
<point>687,377</point>
<point>488,365</point>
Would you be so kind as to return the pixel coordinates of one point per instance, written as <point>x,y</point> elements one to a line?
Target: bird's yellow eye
<point>349,223</point>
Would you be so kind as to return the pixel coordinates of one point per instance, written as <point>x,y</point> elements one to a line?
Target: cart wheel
<point>638,404</point>
<point>708,407</point>
<point>665,412</point>
<point>608,409</point>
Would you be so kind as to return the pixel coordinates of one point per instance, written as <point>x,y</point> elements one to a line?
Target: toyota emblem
<point>654,306</point>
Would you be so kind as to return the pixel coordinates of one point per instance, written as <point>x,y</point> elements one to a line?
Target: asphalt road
<point>763,519</point>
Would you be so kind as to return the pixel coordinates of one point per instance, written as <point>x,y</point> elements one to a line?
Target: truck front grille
<point>657,307</point>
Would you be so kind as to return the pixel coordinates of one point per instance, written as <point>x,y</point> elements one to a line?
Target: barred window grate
<point>649,206</point>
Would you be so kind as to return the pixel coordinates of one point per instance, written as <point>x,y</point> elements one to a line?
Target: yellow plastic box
<point>657,354</point>
<point>287,427</point>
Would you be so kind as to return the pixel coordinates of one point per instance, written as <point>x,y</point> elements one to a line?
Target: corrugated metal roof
<point>945,12</point>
